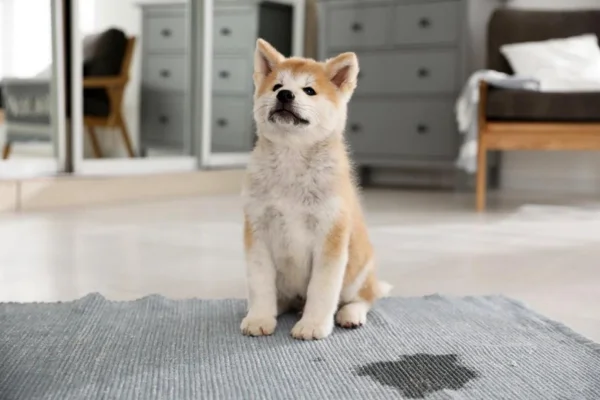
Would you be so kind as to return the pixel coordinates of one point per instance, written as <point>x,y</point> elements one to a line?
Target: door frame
<point>136,166</point>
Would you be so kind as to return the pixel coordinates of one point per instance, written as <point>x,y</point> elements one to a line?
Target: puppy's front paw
<point>258,326</point>
<point>307,329</point>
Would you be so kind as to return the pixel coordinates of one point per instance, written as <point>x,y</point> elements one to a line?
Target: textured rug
<point>412,348</point>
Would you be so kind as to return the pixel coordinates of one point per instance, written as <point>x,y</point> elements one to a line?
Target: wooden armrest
<point>104,82</point>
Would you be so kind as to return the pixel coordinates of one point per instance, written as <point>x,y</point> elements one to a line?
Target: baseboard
<point>413,178</point>
<point>69,191</point>
<point>526,180</point>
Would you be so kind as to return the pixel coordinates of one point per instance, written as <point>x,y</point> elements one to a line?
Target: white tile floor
<point>426,242</point>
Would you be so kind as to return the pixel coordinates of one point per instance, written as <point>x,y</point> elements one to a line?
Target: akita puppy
<point>305,238</point>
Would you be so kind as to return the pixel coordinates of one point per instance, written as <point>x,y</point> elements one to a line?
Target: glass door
<point>235,28</point>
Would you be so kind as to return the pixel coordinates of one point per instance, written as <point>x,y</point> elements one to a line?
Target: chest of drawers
<point>411,55</point>
<point>165,71</point>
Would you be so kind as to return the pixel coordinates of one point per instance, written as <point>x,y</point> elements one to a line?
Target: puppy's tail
<point>383,289</point>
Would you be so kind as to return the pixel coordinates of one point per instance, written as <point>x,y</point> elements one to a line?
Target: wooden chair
<point>528,120</point>
<point>115,88</point>
<point>501,135</point>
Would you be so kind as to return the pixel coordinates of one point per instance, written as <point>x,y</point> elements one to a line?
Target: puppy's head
<point>300,100</point>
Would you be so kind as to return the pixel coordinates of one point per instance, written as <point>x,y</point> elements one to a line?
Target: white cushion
<point>571,64</point>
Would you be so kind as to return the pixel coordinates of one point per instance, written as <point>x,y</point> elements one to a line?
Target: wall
<point>577,172</point>
<point>25,45</point>
<point>25,51</point>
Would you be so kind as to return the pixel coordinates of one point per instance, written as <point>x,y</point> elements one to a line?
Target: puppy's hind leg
<point>353,313</point>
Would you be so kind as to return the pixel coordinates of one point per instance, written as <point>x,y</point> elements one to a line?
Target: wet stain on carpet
<point>420,374</point>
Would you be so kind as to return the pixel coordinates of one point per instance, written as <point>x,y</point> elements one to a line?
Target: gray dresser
<point>411,54</point>
<point>165,63</point>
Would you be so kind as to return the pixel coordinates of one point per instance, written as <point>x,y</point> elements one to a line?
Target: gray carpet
<point>153,348</point>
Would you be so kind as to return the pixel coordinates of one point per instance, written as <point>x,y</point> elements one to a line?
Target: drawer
<point>163,123</point>
<point>231,124</point>
<point>235,30</point>
<point>424,128</point>
<point>165,72</point>
<point>232,75</point>
<point>357,27</point>
<point>427,23</point>
<point>165,33</point>
<point>408,72</point>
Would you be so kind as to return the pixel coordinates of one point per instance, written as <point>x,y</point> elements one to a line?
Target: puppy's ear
<point>343,72</point>
<point>265,59</point>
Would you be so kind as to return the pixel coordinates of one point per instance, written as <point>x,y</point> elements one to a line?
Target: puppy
<point>305,237</point>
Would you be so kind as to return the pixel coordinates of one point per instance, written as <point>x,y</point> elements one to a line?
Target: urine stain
<point>420,374</point>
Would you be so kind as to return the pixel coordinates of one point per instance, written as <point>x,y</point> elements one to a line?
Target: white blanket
<point>467,106</point>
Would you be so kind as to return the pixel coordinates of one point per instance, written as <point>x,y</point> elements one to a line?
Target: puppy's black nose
<point>285,96</point>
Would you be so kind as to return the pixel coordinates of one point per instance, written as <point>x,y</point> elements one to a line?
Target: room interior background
<point>562,171</point>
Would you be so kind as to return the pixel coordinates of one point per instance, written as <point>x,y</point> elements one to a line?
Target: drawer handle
<point>163,119</point>
<point>424,22</point>
<point>224,74</point>
<point>222,122</point>
<point>165,73</point>
<point>225,31</point>
<point>166,32</point>
<point>423,72</point>
<point>355,128</point>
<point>422,129</point>
<point>356,27</point>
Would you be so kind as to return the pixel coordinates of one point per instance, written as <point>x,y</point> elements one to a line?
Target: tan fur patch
<point>342,71</point>
<point>336,239</point>
<point>323,85</point>
<point>266,84</point>
<point>248,234</point>
<point>369,291</point>
<point>360,252</point>
<point>269,52</point>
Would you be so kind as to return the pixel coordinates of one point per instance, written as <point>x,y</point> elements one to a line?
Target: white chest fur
<point>291,205</point>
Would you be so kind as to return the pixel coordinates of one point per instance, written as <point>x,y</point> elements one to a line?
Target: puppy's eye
<point>309,91</point>
<point>277,87</point>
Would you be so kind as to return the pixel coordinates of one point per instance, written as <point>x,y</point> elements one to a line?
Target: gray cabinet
<point>165,60</point>
<point>411,55</point>
<point>235,31</point>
